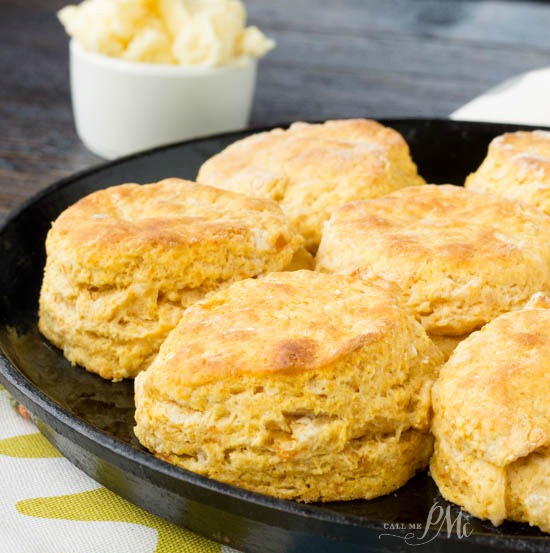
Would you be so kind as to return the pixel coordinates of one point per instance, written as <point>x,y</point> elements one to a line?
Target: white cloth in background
<point>524,99</point>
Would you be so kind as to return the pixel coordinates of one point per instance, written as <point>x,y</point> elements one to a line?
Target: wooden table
<point>334,59</point>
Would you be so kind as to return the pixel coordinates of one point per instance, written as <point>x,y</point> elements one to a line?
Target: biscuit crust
<point>124,262</point>
<point>312,168</point>
<point>447,344</point>
<point>299,385</point>
<point>461,258</point>
<point>492,420</point>
<point>517,167</point>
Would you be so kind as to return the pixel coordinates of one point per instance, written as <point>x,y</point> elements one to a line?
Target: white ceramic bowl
<point>122,107</point>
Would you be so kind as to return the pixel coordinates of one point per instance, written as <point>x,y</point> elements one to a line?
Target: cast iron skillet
<point>90,420</point>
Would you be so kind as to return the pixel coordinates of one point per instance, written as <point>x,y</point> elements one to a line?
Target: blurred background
<point>370,58</point>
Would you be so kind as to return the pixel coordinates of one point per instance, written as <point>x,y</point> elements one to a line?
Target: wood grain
<point>334,59</point>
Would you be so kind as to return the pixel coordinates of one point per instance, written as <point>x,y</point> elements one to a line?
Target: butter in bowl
<point>151,72</point>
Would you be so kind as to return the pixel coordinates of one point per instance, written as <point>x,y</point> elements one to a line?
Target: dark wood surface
<point>342,58</point>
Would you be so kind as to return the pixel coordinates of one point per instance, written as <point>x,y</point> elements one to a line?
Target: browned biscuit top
<point>525,148</point>
<point>461,257</point>
<point>178,232</point>
<point>517,166</point>
<point>312,168</point>
<point>170,212</point>
<point>282,323</point>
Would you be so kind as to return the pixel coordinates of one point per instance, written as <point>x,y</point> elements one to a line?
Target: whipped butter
<point>187,32</point>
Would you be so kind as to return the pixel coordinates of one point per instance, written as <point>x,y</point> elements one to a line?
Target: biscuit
<point>124,262</point>
<point>517,167</point>
<point>461,258</point>
<point>299,385</point>
<point>492,420</point>
<point>447,344</point>
<point>311,168</point>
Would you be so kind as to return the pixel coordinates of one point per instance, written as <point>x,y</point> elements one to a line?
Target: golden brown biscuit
<point>310,169</point>
<point>462,258</point>
<point>299,385</point>
<point>124,262</point>
<point>517,167</point>
<point>492,420</point>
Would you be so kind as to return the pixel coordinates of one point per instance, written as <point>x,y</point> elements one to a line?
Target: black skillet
<point>90,420</point>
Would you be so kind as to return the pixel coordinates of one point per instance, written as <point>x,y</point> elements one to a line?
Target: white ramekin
<point>122,107</point>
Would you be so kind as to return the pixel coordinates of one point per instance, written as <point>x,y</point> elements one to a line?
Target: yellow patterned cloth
<point>49,506</point>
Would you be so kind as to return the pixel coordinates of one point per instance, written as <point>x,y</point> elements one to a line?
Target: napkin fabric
<point>49,506</point>
<point>524,99</point>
